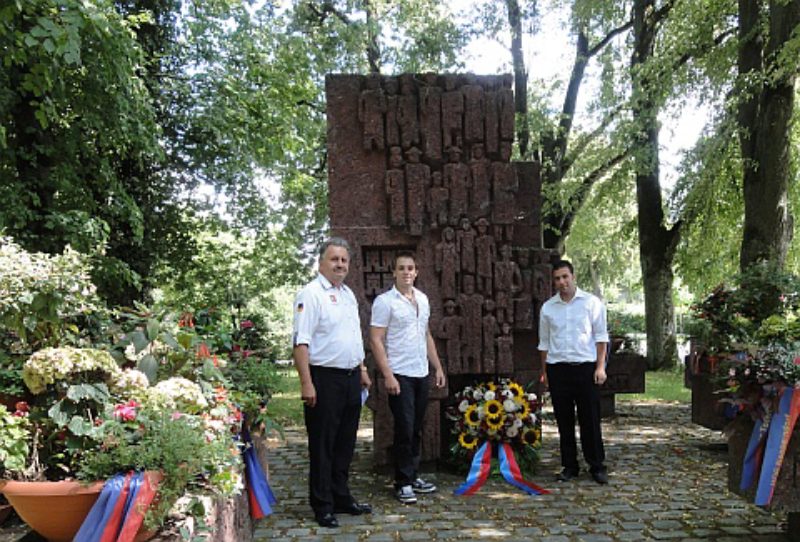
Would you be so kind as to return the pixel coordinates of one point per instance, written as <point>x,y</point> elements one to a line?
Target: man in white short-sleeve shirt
<point>572,342</point>
<point>403,348</point>
<point>328,352</point>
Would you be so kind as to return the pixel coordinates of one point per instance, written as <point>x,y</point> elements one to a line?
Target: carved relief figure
<point>506,109</point>
<point>474,110</point>
<point>418,178</point>
<point>507,281</point>
<point>491,102</point>
<point>504,187</point>
<point>447,263</point>
<point>481,175</point>
<point>396,188</point>
<point>371,107</point>
<point>505,351</point>
<point>373,261</point>
<point>407,112</point>
<point>374,284</point>
<point>465,240</point>
<point>486,253</point>
<point>392,129</point>
<point>438,197</point>
<point>489,331</point>
<point>523,302</point>
<point>451,330</point>
<point>452,111</point>
<point>471,303</point>
<point>430,117</point>
<point>456,179</point>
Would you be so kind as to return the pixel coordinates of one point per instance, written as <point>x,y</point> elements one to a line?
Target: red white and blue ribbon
<point>481,466</point>
<point>754,455</point>
<point>780,432</point>
<point>119,511</point>
<point>510,471</point>
<point>258,491</point>
<point>478,471</point>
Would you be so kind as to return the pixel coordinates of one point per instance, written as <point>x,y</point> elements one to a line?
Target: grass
<point>663,386</point>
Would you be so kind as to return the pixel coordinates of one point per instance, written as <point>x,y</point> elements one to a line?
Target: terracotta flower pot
<point>55,510</point>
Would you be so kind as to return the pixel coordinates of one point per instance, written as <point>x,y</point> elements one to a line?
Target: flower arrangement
<point>499,411</point>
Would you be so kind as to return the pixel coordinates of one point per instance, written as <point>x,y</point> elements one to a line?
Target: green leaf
<point>169,340</point>
<point>153,327</point>
<point>138,339</point>
<point>96,392</point>
<point>80,426</point>
<point>149,366</point>
<point>61,412</point>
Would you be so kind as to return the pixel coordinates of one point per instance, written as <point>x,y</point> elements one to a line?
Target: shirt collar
<point>578,293</point>
<point>326,284</point>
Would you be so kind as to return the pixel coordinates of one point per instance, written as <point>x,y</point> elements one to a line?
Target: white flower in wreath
<point>517,423</point>
<point>477,395</point>
<point>481,413</point>
<point>533,418</point>
<point>512,431</point>
<point>531,397</point>
<point>510,405</point>
<point>463,406</point>
<point>489,395</point>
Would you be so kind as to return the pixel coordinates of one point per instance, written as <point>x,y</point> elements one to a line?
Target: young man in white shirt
<point>403,348</point>
<point>572,341</point>
<point>328,352</point>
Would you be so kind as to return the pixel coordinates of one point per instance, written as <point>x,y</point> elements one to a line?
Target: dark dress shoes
<point>601,477</point>
<point>566,475</point>
<point>327,520</point>
<point>354,509</point>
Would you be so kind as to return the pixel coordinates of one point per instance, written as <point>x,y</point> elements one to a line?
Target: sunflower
<point>471,416</point>
<point>524,410</point>
<point>516,389</point>
<point>530,436</point>
<point>491,386</point>
<point>494,422</point>
<point>467,440</point>
<point>493,408</point>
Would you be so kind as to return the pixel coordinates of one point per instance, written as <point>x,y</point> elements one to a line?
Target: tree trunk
<point>764,129</point>
<point>520,78</point>
<point>373,51</point>
<point>657,243</point>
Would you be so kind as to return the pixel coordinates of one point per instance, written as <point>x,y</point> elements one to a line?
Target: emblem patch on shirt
<point>299,307</point>
<point>333,298</point>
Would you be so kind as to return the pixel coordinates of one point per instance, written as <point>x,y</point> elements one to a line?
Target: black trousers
<point>572,387</point>
<point>332,425</point>
<point>408,409</point>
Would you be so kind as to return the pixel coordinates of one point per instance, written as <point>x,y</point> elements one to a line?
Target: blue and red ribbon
<point>780,432</point>
<point>481,466</point>
<point>258,491</point>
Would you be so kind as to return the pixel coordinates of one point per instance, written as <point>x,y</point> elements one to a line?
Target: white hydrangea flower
<point>512,431</point>
<point>489,395</point>
<point>463,406</point>
<point>510,405</point>
<point>130,381</point>
<point>531,397</point>
<point>185,394</point>
<point>477,395</point>
<point>517,423</point>
<point>51,365</point>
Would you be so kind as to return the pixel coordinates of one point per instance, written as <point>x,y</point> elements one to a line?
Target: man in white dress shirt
<point>572,341</point>
<point>328,353</point>
<point>403,348</point>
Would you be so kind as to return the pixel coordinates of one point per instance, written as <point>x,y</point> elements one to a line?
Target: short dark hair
<point>560,264</point>
<point>404,254</point>
<point>334,242</point>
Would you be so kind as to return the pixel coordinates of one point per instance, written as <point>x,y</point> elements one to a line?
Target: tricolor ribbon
<point>119,511</point>
<point>780,432</point>
<point>258,491</point>
<point>481,466</point>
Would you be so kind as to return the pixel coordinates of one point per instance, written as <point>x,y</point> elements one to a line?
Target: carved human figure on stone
<point>438,196</point>
<point>456,179</point>
<point>451,329</point>
<point>392,129</point>
<point>507,282</point>
<point>430,117</point>
<point>505,351</point>
<point>523,301</point>
<point>373,259</point>
<point>506,109</point>
<point>470,303</point>
<point>396,188</point>
<point>491,102</point>
<point>452,112</point>
<point>371,107</point>
<point>465,239</point>
<point>418,177</point>
<point>473,110</point>
<point>489,330</point>
<point>486,254</point>
<point>480,169</point>
<point>504,188</point>
<point>374,284</point>
<point>407,112</point>
<point>448,264</point>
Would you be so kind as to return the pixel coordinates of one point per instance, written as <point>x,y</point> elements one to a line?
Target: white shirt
<point>326,319</point>
<point>407,331</point>
<point>569,331</point>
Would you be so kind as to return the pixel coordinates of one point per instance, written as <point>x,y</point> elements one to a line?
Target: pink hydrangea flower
<point>127,411</point>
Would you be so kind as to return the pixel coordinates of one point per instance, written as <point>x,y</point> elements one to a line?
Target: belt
<point>336,370</point>
<point>573,363</point>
